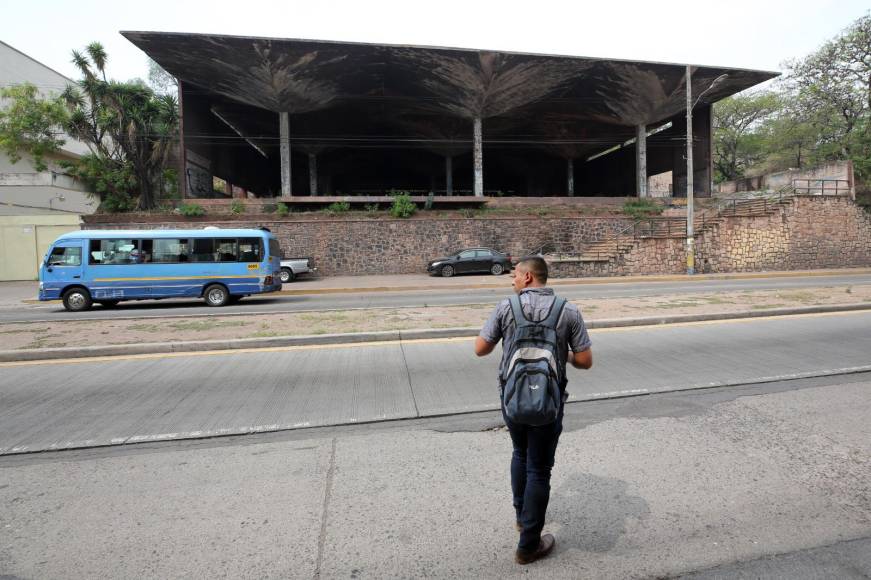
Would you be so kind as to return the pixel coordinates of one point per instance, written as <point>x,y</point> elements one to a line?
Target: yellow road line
<point>654,327</point>
<point>160,278</point>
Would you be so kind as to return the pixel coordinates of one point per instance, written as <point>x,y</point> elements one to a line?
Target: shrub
<point>371,207</point>
<point>237,207</point>
<point>642,207</point>
<point>402,206</point>
<point>115,202</point>
<point>191,210</point>
<point>468,212</point>
<point>337,207</point>
<point>282,209</point>
<point>269,208</point>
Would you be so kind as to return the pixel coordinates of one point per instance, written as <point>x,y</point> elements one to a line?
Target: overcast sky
<point>755,34</point>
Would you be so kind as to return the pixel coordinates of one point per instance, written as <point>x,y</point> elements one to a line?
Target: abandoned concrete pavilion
<point>281,117</point>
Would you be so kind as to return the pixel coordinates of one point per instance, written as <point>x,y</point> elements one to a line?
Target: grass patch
<point>641,208</point>
<point>145,327</point>
<point>23,330</point>
<point>324,318</point>
<point>42,342</point>
<point>716,300</point>
<point>797,296</point>
<point>202,325</point>
<point>267,334</point>
<point>677,304</point>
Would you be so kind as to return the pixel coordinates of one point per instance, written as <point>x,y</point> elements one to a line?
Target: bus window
<point>249,250</point>
<point>202,250</point>
<point>274,248</point>
<point>226,250</point>
<point>65,257</point>
<point>114,252</point>
<point>166,250</point>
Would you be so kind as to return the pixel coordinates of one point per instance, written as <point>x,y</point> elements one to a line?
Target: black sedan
<point>471,260</point>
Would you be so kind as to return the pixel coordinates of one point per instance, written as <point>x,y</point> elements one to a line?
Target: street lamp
<point>691,259</point>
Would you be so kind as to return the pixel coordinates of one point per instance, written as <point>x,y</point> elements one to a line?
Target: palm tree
<point>128,129</point>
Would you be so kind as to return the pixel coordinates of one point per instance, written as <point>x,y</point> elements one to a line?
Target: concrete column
<point>641,161</point>
<point>312,174</point>
<point>478,158</point>
<point>183,180</point>
<point>449,175</point>
<point>284,145</point>
<point>570,177</point>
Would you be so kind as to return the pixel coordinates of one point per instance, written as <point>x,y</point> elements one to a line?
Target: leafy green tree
<point>819,112</point>
<point>128,129</point>
<point>31,125</point>
<point>738,139</point>
<point>832,90</point>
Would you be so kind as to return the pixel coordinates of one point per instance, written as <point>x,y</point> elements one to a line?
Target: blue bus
<point>108,266</point>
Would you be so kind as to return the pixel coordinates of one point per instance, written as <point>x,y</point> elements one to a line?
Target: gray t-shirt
<point>536,302</point>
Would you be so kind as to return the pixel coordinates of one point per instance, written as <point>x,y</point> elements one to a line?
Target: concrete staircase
<point>612,247</point>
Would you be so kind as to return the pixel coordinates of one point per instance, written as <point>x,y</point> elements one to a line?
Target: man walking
<point>534,446</point>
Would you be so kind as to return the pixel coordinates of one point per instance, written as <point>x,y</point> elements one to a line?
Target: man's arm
<point>491,334</point>
<point>483,347</point>
<point>581,360</point>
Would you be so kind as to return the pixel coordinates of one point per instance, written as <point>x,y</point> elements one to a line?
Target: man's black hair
<point>535,266</point>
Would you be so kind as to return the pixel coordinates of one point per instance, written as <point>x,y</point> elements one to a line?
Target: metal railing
<point>821,186</point>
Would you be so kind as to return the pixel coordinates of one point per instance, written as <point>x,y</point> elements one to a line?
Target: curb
<point>381,336</point>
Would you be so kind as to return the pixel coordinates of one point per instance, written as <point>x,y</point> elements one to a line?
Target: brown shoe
<point>545,546</point>
<point>518,527</point>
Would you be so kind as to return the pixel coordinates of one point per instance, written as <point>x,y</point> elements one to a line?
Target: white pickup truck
<point>293,267</point>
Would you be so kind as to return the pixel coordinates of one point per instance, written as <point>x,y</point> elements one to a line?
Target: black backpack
<point>531,387</point>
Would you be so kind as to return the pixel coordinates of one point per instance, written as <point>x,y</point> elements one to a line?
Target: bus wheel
<point>216,295</point>
<point>77,299</point>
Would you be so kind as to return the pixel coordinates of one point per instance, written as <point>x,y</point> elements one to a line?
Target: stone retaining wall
<point>811,232</point>
<point>400,246</point>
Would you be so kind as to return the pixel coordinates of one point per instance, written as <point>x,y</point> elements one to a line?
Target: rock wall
<point>811,232</point>
<point>398,246</point>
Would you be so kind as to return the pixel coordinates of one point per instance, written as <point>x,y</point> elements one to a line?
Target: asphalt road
<point>81,403</point>
<point>418,298</point>
<point>765,481</point>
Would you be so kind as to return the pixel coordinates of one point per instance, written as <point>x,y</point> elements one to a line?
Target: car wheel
<point>216,295</point>
<point>447,271</point>
<point>77,300</point>
<point>286,275</point>
<point>497,269</point>
<point>108,303</point>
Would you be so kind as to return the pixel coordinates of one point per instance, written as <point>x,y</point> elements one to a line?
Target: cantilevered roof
<point>303,76</point>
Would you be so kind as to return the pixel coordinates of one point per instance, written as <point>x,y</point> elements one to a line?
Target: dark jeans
<point>531,462</point>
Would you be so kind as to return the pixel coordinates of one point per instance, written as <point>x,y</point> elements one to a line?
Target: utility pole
<point>691,259</point>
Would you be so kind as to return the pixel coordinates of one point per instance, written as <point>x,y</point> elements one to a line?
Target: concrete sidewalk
<point>756,483</point>
<point>13,294</point>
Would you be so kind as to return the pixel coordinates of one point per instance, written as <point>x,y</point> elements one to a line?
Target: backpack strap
<point>553,316</point>
<point>519,317</point>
